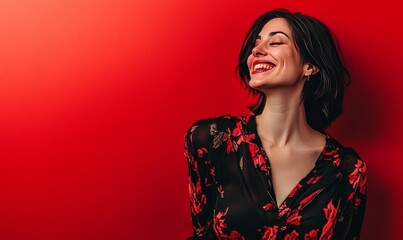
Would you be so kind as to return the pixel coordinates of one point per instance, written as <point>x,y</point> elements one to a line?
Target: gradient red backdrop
<point>96,96</point>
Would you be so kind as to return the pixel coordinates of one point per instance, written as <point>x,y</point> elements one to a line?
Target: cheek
<point>280,53</point>
<point>249,61</point>
<point>296,57</point>
<point>288,56</point>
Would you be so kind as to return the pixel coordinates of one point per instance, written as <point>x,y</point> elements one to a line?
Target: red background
<point>96,96</point>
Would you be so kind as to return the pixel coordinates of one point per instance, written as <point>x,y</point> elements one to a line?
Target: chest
<point>288,168</point>
<point>250,196</point>
<point>249,190</point>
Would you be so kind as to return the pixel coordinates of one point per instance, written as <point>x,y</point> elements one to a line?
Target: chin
<point>253,83</point>
<point>258,84</point>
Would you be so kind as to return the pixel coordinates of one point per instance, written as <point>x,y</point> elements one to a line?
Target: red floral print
<point>292,236</point>
<point>201,230</point>
<point>268,206</point>
<point>232,195</point>
<point>228,141</point>
<point>314,179</point>
<point>219,224</point>
<point>330,214</point>
<point>258,158</point>
<point>357,202</point>
<point>233,235</point>
<point>295,190</point>
<point>283,210</point>
<point>358,178</point>
<point>351,196</point>
<point>312,235</point>
<point>270,233</point>
<point>245,138</point>
<point>329,155</point>
<point>238,130</point>
<point>294,218</point>
<point>198,199</point>
<point>308,199</point>
<point>201,152</point>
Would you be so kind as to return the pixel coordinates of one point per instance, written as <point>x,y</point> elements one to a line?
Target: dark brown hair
<point>323,94</point>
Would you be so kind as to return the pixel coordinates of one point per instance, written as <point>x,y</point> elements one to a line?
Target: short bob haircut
<point>323,94</point>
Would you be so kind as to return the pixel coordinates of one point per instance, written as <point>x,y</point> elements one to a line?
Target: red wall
<point>96,96</point>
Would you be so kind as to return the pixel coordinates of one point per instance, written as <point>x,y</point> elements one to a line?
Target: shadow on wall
<point>378,210</point>
<point>362,122</point>
<point>363,127</point>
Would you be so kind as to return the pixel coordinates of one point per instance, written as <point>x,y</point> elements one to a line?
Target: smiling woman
<point>275,173</point>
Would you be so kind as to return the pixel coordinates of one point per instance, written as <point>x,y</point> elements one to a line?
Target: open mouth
<point>259,67</point>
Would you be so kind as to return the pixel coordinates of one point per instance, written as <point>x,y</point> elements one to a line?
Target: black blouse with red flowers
<point>232,195</point>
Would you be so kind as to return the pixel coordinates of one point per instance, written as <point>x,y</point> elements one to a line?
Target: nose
<point>259,50</point>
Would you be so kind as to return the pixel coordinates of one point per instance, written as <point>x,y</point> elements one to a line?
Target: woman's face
<point>275,60</point>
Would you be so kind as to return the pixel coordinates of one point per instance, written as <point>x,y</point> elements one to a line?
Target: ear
<point>310,69</point>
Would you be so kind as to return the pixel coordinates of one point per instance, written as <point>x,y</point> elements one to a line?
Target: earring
<point>308,76</point>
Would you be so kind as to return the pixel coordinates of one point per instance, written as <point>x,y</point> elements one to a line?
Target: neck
<point>283,120</point>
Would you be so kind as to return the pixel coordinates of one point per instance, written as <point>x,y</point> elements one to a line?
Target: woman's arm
<point>354,195</point>
<point>358,199</point>
<point>202,189</point>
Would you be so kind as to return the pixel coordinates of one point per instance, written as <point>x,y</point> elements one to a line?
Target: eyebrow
<point>271,34</point>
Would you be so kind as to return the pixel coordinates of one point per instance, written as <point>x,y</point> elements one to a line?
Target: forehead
<point>275,25</point>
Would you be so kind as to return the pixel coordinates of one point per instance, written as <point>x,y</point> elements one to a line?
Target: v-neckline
<point>267,160</point>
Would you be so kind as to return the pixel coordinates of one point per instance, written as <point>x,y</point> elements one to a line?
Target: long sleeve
<point>356,196</point>
<point>359,180</point>
<point>202,189</point>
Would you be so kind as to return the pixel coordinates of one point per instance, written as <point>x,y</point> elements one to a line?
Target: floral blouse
<point>232,196</point>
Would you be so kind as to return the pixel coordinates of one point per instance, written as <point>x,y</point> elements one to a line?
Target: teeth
<point>263,66</point>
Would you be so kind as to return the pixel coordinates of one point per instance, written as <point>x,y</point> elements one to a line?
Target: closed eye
<point>276,43</point>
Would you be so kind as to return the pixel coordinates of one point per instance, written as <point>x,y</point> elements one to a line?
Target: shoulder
<point>354,171</point>
<point>204,131</point>
<point>350,160</point>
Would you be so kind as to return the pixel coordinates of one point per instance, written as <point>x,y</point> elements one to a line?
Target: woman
<point>275,173</point>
